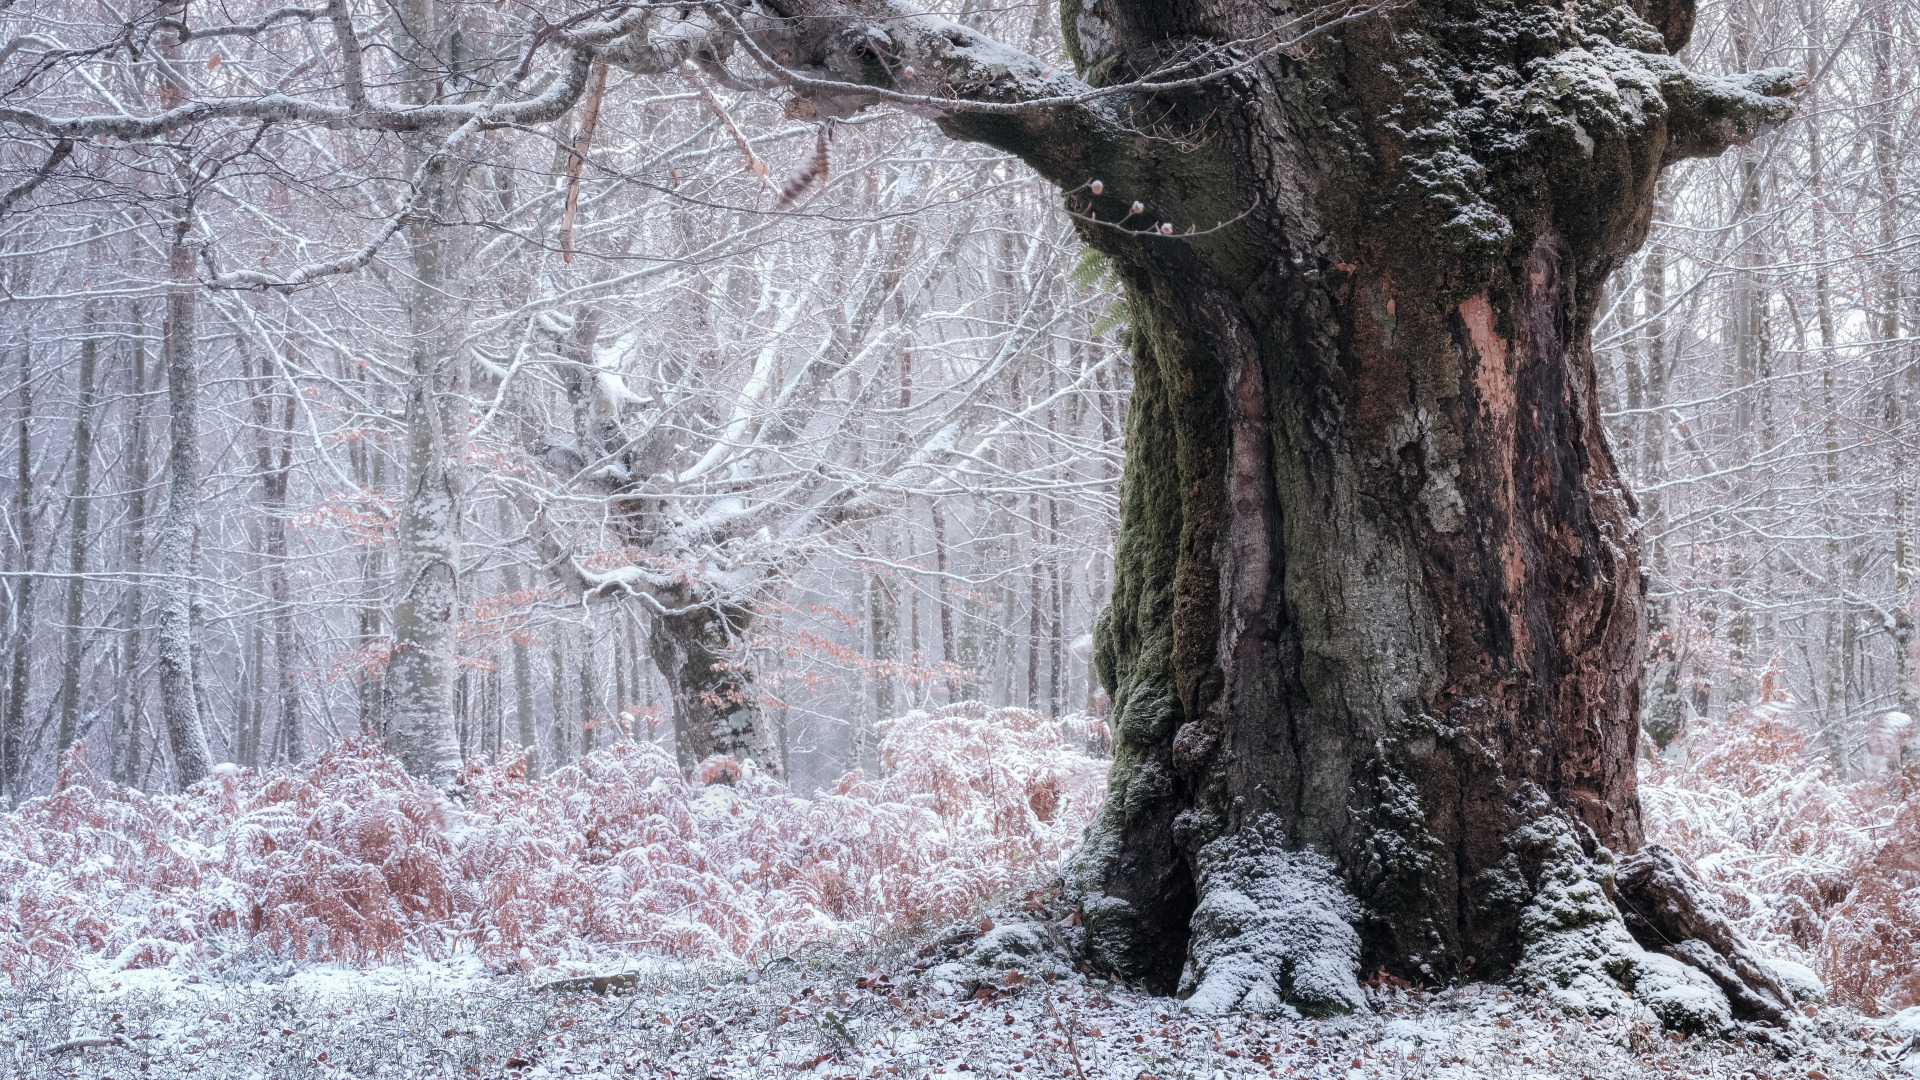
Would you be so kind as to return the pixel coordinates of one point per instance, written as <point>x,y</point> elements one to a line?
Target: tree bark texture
<point>1375,641</point>
<point>716,710</point>
<point>273,464</point>
<point>77,540</point>
<point>13,725</point>
<point>179,563</point>
<point>1377,616</point>
<point>129,704</point>
<point>1377,604</point>
<point>420,672</point>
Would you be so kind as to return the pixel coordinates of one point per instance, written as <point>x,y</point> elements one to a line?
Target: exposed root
<point>1667,911</point>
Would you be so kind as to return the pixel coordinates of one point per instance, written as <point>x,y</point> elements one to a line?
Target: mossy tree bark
<point>1376,639</point>
<point>716,710</point>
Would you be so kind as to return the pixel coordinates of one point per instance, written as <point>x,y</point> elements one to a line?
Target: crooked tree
<point>1376,641</point>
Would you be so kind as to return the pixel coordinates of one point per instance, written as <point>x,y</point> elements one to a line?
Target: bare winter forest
<point>554,486</point>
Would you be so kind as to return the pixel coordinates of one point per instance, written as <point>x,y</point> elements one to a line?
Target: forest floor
<point>843,1015</point>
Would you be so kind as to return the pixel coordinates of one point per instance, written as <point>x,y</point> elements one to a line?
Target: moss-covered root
<point>1273,932</point>
<point>1579,954</point>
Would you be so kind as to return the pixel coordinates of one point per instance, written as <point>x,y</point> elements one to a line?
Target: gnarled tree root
<point>1666,909</point>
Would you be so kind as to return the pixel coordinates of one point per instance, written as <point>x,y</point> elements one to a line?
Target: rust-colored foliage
<point>1812,869</point>
<point>351,860</point>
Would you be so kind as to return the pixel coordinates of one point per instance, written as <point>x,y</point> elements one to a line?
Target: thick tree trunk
<point>1377,629</point>
<point>420,677</point>
<point>716,710</point>
<point>420,673</point>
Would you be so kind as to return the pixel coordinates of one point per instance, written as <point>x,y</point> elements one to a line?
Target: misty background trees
<point>491,435</point>
<point>1758,358</point>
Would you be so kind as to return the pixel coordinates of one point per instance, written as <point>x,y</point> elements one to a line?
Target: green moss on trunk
<point>1376,598</point>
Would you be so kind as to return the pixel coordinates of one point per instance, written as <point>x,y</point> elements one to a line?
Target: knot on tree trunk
<point>1667,910</point>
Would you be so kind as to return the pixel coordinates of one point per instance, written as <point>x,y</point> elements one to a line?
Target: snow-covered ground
<point>847,1016</point>
<point>250,927</point>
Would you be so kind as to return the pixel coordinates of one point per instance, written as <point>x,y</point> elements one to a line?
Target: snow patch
<point>1799,980</point>
<point>1905,1024</point>
<point>1684,998</point>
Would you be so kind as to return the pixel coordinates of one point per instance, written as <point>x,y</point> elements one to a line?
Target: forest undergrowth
<point>344,919</point>
<point>350,860</point>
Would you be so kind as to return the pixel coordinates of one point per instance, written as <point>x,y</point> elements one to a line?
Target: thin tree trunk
<point>179,709</point>
<point>291,731</point>
<point>368,473</point>
<point>1664,714</point>
<point>19,679</point>
<point>1036,614</point>
<point>882,628</point>
<point>559,733</point>
<point>522,671</point>
<point>125,767</point>
<point>273,465</point>
<point>940,563</point>
<point>77,537</point>
<point>202,670</point>
<point>589,713</point>
<point>1900,379</point>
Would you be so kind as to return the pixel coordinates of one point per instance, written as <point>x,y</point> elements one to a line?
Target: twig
<point>1071,1048</point>
<point>89,1042</point>
<point>61,150</point>
<point>690,72</point>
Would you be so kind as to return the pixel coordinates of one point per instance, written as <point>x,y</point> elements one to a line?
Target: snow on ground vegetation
<point>1820,874</point>
<point>351,861</point>
<point>616,919</point>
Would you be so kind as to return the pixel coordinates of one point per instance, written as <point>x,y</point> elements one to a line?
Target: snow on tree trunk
<point>124,756</point>
<point>81,502</point>
<point>716,710</point>
<point>420,671</point>
<point>1376,591</point>
<point>1377,614</point>
<point>19,673</point>
<point>179,564</point>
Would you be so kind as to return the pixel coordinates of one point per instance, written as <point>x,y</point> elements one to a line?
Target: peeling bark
<point>1377,611</point>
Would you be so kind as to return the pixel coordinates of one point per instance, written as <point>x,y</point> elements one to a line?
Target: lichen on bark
<point>1377,615</point>
<point>1375,575</point>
